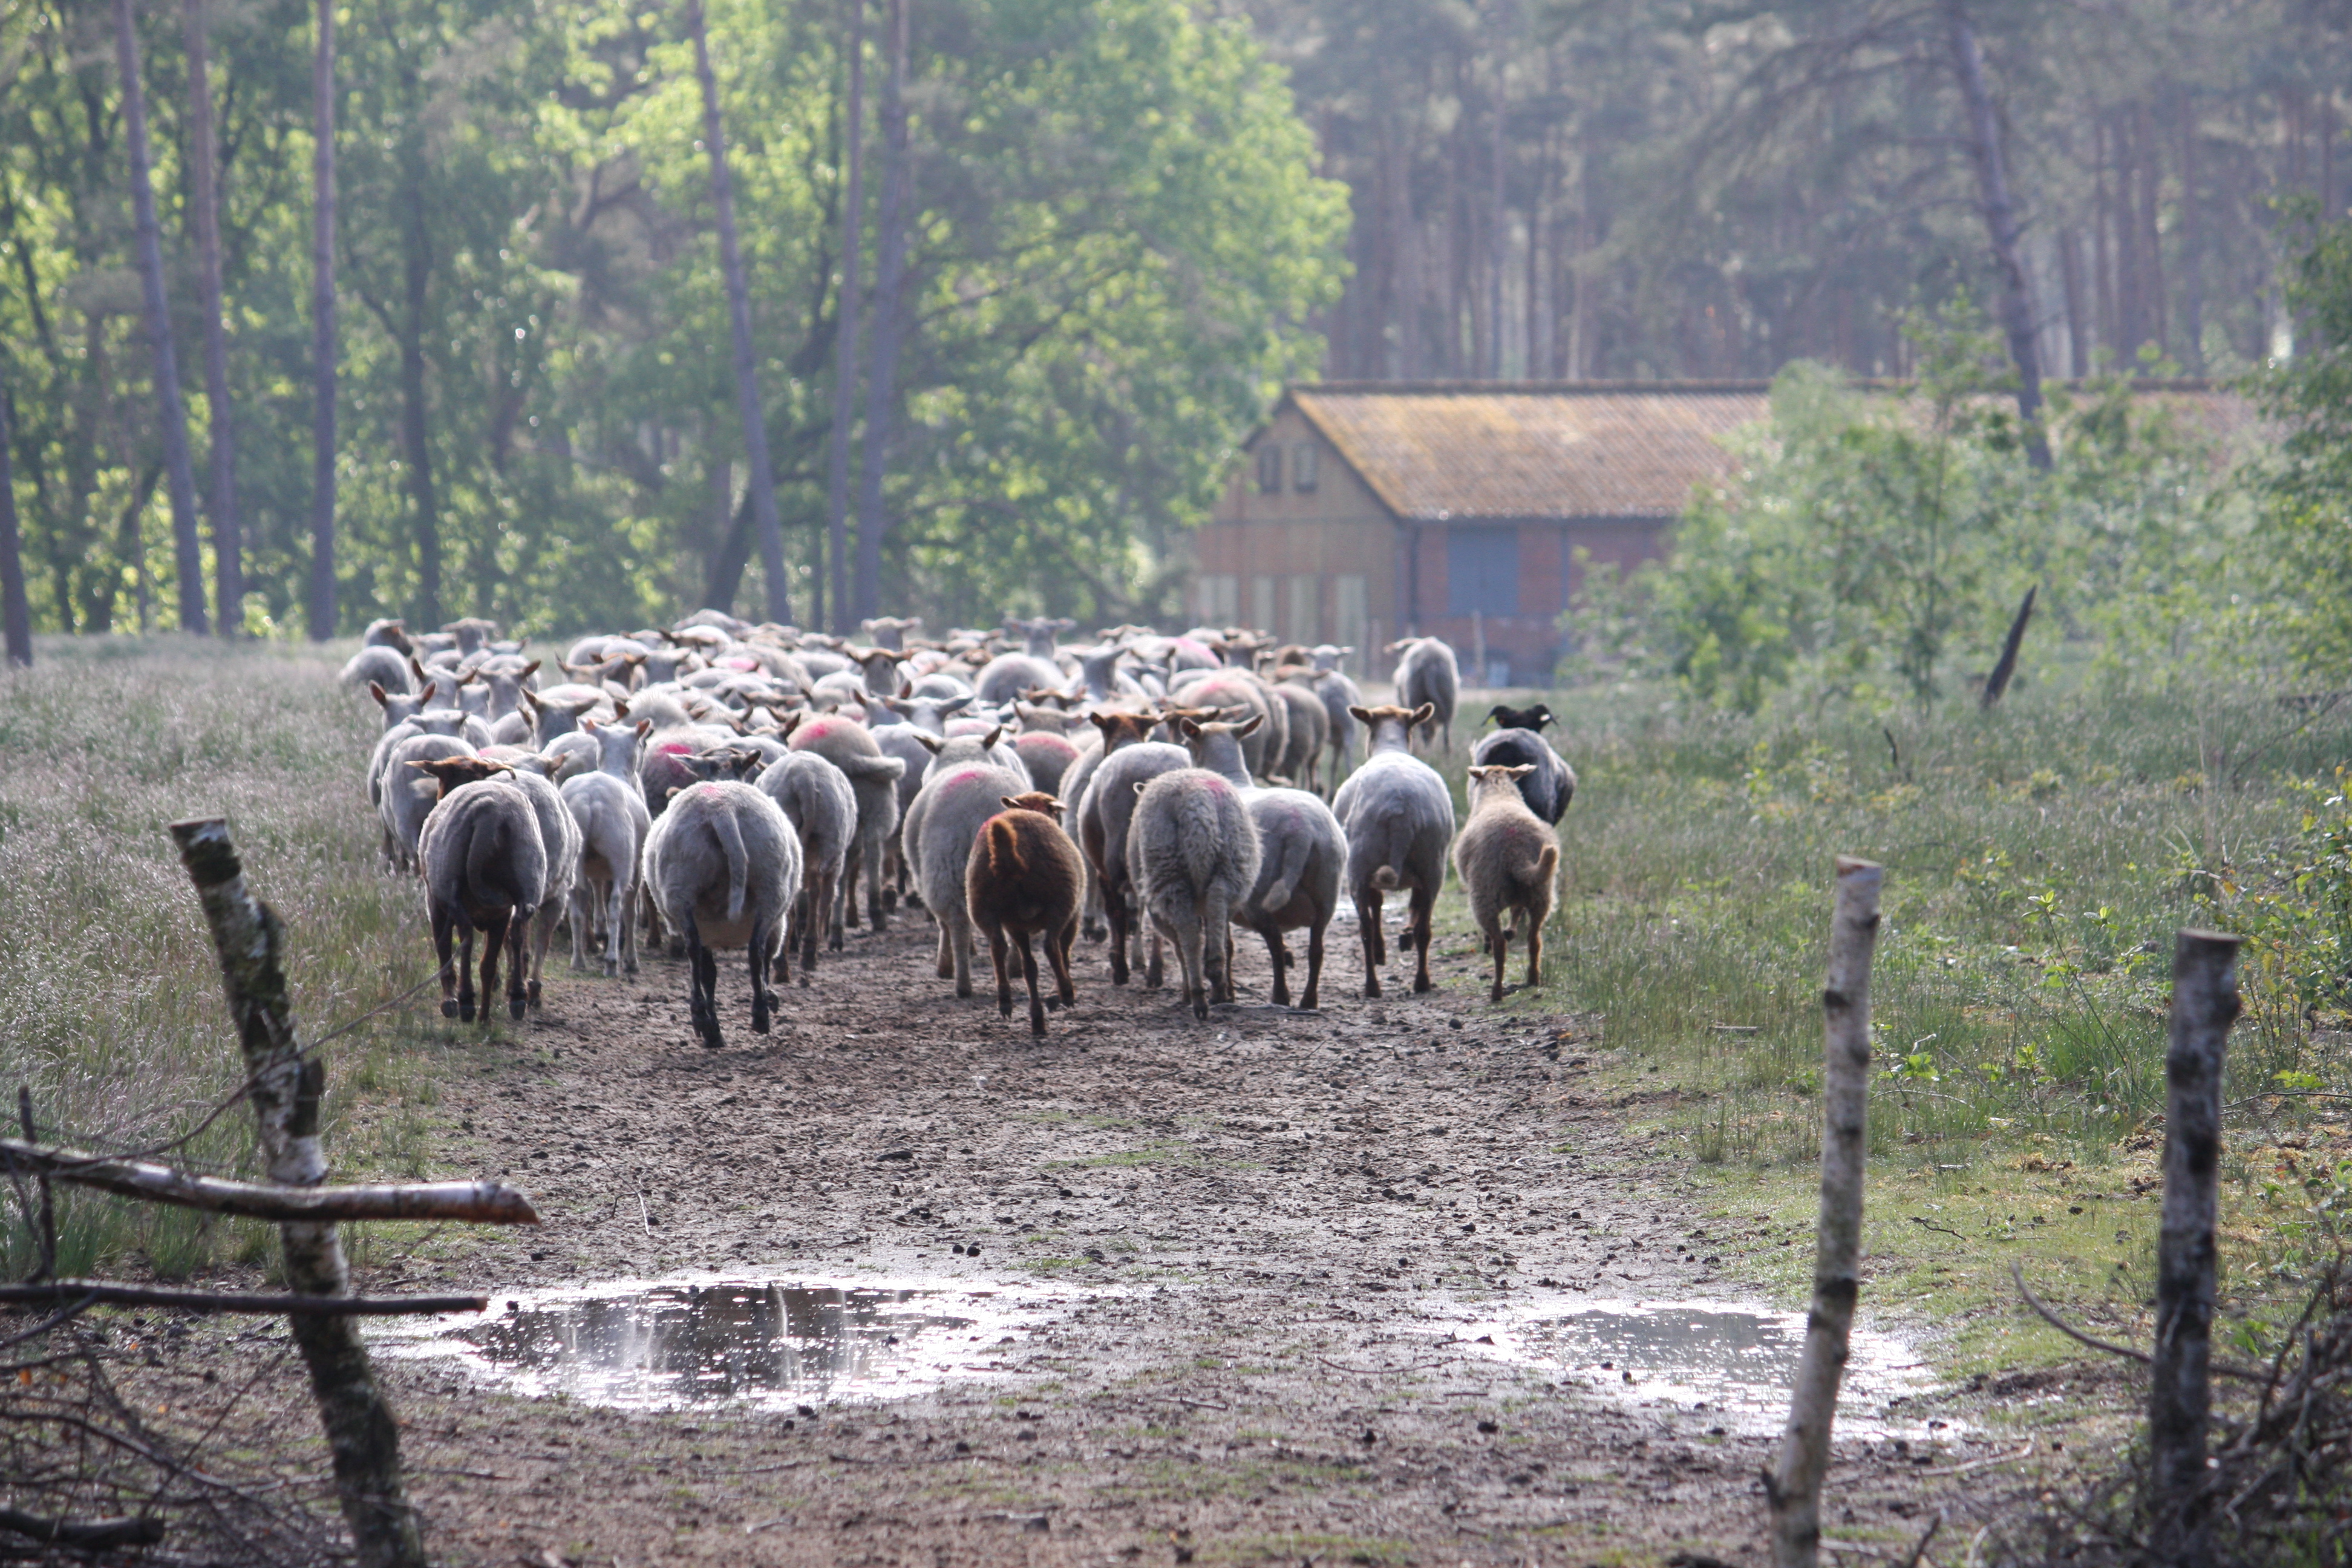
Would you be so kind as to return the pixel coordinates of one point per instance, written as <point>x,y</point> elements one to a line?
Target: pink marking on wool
<point>672,749</point>
<point>964,774</point>
<point>711,792</point>
<point>739,661</point>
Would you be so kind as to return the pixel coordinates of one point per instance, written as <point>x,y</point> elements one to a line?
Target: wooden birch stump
<point>2204,1004</point>
<point>285,1089</point>
<point>1793,1484</point>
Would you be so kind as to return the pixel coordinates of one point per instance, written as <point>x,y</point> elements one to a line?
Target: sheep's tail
<point>1386,878</point>
<point>1295,852</point>
<point>485,852</point>
<point>1004,849</point>
<point>730,833</point>
<point>1548,865</point>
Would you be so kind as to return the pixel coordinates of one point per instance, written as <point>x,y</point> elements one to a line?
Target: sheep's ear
<point>1011,802</point>
<point>1360,715</point>
<point>620,707</point>
<point>531,698</point>
<point>958,704</point>
<point>1103,721</point>
<point>430,688</point>
<point>1522,770</point>
<point>906,686</point>
<point>635,658</point>
<point>1187,728</point>
<point>644,727</point>
<point>1140,785</point>
<point>1479,772</point>
<point>1251,728</point>
<point>528,670</point>
<point>894,704</point>
<point>589,726</point>
<point>988,742</point>
<point>930,742</point>
<point>376,690</point>
<point>1425,714</point>
<point>671,793</point>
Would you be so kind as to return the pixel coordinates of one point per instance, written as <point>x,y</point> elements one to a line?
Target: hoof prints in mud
<point>669,1344</point>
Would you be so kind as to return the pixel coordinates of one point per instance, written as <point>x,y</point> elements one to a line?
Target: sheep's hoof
<point>1421,983</point>
<point>1037,1026</point>
<point>806,977</point>
<point>515,1008</point>
<point>759,1023</point>
<point>612,969</point>
<point>449,1008</point>
<point>465,1012</point>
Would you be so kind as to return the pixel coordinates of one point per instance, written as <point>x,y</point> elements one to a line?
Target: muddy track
<point>1260,1231</point>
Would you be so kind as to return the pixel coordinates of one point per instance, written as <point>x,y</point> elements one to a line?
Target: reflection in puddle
<point>1731,1362</point>
<point>664,1345</point>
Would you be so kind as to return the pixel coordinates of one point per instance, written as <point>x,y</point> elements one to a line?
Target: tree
<point>323,327</point>
<point>2309,484</point>
<point>889,309</point>
<point>16,614</point>
<point>229,541</point>
<point>739,322</point>
<point>844,336</point>
<point>172,415</point>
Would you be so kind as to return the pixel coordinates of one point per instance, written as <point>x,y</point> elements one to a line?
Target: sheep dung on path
<point>484,870</point>
<point>724,866</point>
<point>1024,880</point>
<point>1193,856</point>
<point>1508,859</point>
<point>1398,818</point>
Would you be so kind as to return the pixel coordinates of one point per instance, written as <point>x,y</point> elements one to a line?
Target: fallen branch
<point>89,1535</point>
<point>2226,1368</point>
<point>481,1203</point>
<point>86,1291</point>
<point>2026,1452</point>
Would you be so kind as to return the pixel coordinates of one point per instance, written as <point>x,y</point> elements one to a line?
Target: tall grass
<point>111,1005</point>
<point>2039,860</point>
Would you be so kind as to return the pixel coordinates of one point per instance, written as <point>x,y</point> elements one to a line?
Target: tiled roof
<point>1458,452</point>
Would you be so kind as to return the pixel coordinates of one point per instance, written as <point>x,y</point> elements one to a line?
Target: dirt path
<point>1262,1232</point>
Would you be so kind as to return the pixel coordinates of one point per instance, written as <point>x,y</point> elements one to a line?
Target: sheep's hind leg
<point>1314,965</point>
<point>1423,898</point>
<point>1499,939</point>
<point>522,985</point>
<point>1278,956</point>
<point>1057,953</point>
<point>756,950</point>
<point>1535,951</point>
<point>465,970</point>
<point>1029,974</point>
<point>443,939</point>
<point>1368,927</point>
<point>1002,960</point>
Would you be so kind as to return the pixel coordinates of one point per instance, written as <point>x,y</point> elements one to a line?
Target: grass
<point>2040,860</point>
<point>110,1006</point>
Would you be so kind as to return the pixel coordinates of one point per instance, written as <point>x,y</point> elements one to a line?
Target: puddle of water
<point>669,1344</point>
<point>1729,1361</point>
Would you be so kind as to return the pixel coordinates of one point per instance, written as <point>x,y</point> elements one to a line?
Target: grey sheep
<point>559,835</point>
<point>1302,856</point>
<point>724,867</point>
<point>1192,856</point>
<point>1508,859</point>
<point>485,871</point>
<point>845,743</point>
<point>1546,783</point>
<point>1398,818</point>
<point>406,798</point>
<point>1104,815</point>
<point>1428,674</point>
<point>822,805</point>
<point>937,837</point>
<point>610,811</point>
<point>378,664</point>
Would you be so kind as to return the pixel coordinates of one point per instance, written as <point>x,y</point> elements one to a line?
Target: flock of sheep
<point>733,786</point>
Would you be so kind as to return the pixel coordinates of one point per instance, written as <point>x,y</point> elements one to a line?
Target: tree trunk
<point>322,328</point>
<point>2204,1004</point>
<point>15,612</point>
<point>739,314</point>
<point>228,527</point>
<point>1500,242</point>
<point>2151,237</point>
<point>416,427</point>
<point>2002,225</point>
<point>1794,1486</point>
<point>2193,255</point>
<point>844,334</point>
<point>2131,290</point>
<point>891,240</point>
<point>170,413</point>
<point>2078,325</point>
<point>2103,260</point>
<point>284,1087</point>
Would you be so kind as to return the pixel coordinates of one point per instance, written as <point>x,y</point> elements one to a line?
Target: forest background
<point>1109,228</point>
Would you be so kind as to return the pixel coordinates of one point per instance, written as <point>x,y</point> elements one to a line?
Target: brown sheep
<point>1508,859</point>
<point>1024,877</point>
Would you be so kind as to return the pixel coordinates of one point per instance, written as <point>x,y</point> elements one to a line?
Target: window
<point>1302,468</point>
<point>1261,604</point>
<point>1269,469</point>
<point>1305,608</point>
<point>1218,599</point>
<point>1482,571</point>
<point>1347,613</point>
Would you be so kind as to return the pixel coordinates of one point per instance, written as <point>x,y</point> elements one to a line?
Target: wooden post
<point>2005,667</point>
<point>285,1092</point>
<point>2204,1004</point>
<point>1794,1486</point>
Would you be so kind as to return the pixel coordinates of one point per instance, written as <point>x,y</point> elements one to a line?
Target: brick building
<point>1367,511</point>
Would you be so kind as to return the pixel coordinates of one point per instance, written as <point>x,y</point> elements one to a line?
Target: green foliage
<point>2309,485</point>
<point>1876,546</point>
<point>1117,240</point>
